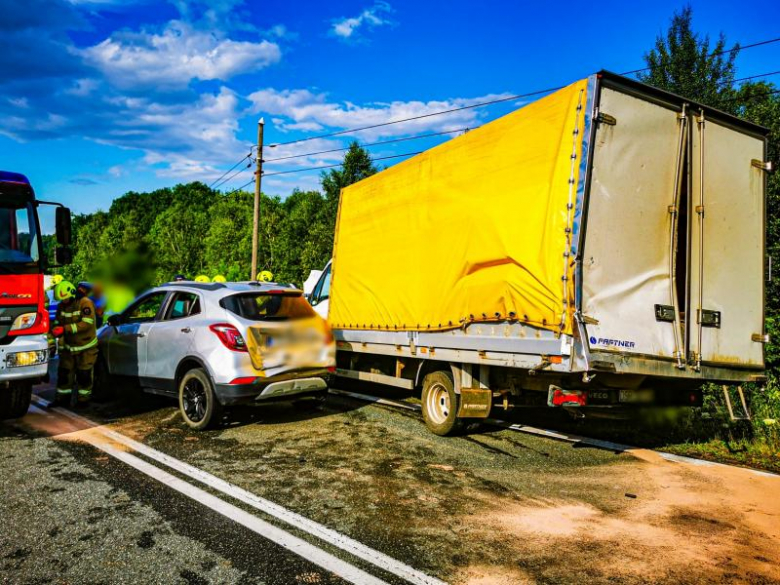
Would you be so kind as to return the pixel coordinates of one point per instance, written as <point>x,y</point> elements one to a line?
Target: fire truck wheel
<point>440,404</point>
<point>15,400</point>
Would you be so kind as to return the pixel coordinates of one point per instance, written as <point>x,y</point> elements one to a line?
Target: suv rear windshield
<point>268,307</point>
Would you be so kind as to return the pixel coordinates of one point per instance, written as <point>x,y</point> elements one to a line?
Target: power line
<point>764,94</point>
<point>421,116</point>
<point>485,103</point>
<point>741,79</point>
<point>238,172</point>
<point>230,169</point>
<point>335,165</point>
<point>758,95</point>
<point>716,53</point>
<point>237,189</point>
<point>367,144</point>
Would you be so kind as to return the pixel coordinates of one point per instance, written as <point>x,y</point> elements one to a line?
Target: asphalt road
<point>361,493</point>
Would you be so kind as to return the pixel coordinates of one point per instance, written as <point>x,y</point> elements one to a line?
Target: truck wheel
<point>15,400</point>
<point>440,404</point>
<point>197,401</point>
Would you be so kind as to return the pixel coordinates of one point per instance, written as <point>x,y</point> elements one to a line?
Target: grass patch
<point>747,453</point>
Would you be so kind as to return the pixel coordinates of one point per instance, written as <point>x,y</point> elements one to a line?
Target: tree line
<point>148,238</point>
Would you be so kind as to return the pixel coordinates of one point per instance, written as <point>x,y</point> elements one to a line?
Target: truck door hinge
<point>606,119</point>
<point>589,320</point>
<point>760,338</point>
<point>764,166</point>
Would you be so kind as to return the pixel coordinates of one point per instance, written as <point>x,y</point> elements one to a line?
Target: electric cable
<point>489,102</point>
<point>368,144</point>
<point>231,168</point>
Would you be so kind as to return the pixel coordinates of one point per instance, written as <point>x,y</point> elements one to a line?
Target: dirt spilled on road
<point>683,526</point>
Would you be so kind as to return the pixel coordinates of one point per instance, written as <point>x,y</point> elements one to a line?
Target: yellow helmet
<point>64,291</point>
<point>219,278</point>
<point>56,279</point>
<point>265,276</point>
<point>202,278</point>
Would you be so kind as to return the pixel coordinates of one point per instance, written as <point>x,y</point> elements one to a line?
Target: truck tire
<point>440,404</point>
<point>15,400</point>
<point>197,401</point>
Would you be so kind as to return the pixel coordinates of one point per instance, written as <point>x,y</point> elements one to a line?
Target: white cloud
<point>173,58</point>
<point>348,28</point>
<point>307,110</point>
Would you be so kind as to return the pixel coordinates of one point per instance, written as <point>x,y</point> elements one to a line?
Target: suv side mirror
<point>114,320</point>
<point>62,226</point>
<point>63,256</point>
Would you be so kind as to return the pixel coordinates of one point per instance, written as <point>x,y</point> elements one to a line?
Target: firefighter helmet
<point>64,291</point>
<point>202,278</point>
<point>265,276</point>
<point>219,278</point>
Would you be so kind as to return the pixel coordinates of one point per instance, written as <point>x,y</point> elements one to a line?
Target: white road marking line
<point>292,543</point>
<point>608,445</point>
<point>324,533</point>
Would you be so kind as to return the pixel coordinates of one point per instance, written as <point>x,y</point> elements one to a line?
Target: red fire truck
<point>24,320</point>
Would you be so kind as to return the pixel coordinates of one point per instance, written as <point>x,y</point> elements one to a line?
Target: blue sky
<point>100,97</point>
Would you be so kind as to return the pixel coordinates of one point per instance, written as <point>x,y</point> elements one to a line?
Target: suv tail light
<point>229,336</point>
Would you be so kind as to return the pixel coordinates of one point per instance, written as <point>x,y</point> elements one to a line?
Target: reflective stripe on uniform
<point>74,328</point>
<point>85,392</point>
<point>78,348</point>
<point>61,391</point>
<point>88,320</point>
<point>64,314</point>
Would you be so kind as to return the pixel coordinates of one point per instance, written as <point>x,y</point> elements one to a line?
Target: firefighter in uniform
<point>75,323</point>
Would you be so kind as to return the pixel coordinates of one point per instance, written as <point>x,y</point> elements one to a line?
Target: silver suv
<point>218,344</point>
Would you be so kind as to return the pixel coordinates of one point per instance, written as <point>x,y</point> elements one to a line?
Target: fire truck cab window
<point>18,235</point>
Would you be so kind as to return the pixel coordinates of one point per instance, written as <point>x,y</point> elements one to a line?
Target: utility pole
<point>258,179</point>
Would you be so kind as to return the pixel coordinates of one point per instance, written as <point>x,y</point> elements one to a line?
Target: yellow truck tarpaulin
<point>476,229</point>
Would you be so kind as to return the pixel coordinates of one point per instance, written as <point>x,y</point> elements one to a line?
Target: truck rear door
<point>727,246</point>
<point>673,249</point>
<point>625,258</point>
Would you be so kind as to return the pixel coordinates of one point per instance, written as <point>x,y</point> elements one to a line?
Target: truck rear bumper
<point>23,343</point>
<point>652,367</point>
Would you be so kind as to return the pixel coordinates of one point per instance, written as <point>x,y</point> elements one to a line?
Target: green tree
<point>685,63</point>
<point>356,167</point>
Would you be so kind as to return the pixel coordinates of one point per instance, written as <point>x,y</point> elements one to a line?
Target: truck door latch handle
<point>185,330</point>
<point>140,334</point>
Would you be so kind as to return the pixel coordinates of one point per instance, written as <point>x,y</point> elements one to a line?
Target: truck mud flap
<point>475,402</point>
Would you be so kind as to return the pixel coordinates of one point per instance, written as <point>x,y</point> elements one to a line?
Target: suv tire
<point>197,402</point>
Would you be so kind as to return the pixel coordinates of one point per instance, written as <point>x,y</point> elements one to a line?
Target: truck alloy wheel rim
<point>438,403</point>
<point>194,398</point>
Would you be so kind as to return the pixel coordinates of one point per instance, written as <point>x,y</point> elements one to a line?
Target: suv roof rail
<point>198,285</point>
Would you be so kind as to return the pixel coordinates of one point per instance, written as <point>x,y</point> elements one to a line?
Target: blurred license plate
<point>643,395</point>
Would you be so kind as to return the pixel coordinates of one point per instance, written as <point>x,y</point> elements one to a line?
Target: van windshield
<point>268,307</point>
